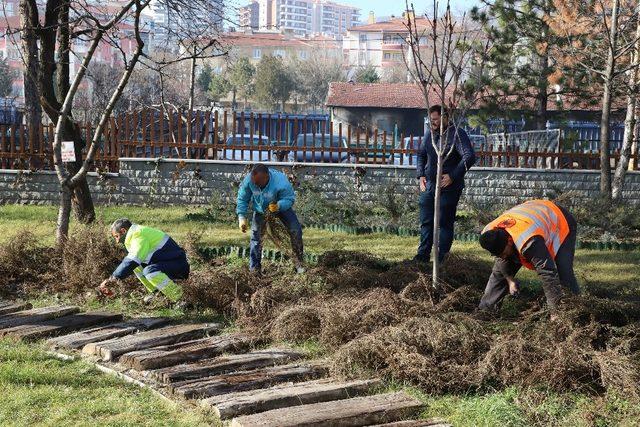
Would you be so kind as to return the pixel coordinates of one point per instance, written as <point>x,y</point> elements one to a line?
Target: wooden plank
<point>8,308</point>
<point>224,364</point>
<point>36,315</point>
<point>114,348</point>
<point>416,423</point>
<point>48,328</point>
<point>358,411</point>
<point>284,396</point>
<point>161,357</point>
<point>249,380</point>
<point>78,340</point>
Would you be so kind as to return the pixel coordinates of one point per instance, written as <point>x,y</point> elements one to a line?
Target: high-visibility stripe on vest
<point>142,242</point>
<point>533,218</point>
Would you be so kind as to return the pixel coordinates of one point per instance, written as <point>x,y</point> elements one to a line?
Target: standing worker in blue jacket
<point>153,256</point>
<point>455,166</point>
<point>270,191</point>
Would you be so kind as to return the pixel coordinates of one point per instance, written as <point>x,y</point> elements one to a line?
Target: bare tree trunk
<point>435,274</point>
<point>629,122</point>
<point>31,92</point>
<point>605,158</point>
<point>543,93</point>
<point>192,86</point>
<point>64,213</point>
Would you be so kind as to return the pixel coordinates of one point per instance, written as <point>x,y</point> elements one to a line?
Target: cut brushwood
<point>181,374</point>
<point>79,339</point>
<point>358,411</point>
<point>284,396</point>
<point>416,423</point>
<point>48,328</point>
<point>161,357</point>
<point>36,315</point>
<point>114,348</point>
<point>249,380</point>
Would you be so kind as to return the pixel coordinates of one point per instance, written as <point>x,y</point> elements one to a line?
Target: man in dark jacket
<point>456,164</point>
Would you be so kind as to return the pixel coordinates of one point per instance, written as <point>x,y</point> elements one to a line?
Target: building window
<point>279,53</point>
<point>363,38</point>
<point>257,53</point>
<point>302,54</point>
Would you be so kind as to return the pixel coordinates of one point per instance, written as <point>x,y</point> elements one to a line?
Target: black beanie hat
<point>494,241</point>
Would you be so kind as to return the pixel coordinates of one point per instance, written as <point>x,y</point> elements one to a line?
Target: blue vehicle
<point>325,149</point>
<point>246,147</point>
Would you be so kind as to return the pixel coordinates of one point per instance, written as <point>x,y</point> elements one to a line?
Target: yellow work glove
<point>273,207</point>
<point>243,223</point>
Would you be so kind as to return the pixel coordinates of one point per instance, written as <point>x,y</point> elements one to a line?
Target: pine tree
<point>6,79</point>
<point>520,65</point>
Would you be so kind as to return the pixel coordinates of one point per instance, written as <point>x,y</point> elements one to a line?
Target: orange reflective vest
<point>533,218</point>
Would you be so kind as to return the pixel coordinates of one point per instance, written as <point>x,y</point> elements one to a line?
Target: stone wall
<point>167,182</point>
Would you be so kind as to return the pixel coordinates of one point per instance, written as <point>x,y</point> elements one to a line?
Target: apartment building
<point>307,17</point>
<point>249,16</point>
<point>381,44</point>
<point>165,22</point>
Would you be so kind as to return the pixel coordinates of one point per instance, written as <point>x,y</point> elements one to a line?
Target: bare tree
<point>87,22</point>
<point>600,38</point>
<point>442,53</point>
<point>630,122</point>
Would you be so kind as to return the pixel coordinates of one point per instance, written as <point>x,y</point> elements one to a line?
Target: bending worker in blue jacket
<point>460,159</point>
<point>153,256</point>
<point>270,191</point>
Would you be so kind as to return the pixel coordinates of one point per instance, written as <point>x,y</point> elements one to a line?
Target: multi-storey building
<point>249,16</point>
<point>380,44</point>
<point>167,24</point>
<point>307,17</point>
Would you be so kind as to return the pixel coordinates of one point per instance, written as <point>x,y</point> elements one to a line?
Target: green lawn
<point>39,390</point>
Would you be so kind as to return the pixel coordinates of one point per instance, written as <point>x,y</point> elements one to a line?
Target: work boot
<point>148,299</point>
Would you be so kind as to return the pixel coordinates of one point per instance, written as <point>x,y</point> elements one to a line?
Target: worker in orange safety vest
<point>538,235</point>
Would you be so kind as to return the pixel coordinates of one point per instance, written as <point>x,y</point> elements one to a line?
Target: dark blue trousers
<point>290,220</point>
<point>448,207</point>
<point>177,268</point>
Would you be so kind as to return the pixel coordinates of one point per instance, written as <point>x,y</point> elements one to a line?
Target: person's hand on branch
<point>273,207</point>
<point>514,286</point>
<point>423,183</point>
<point>104,287</point>
<point>445,181</point>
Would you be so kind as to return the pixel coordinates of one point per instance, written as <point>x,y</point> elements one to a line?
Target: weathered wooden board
<point>249,380</point>
<point>79,339</point>
<point>283,396</point>
<point>47,328</point>
<point>114,348</point>
<point>12,307</point>
<point>161,357</point>
<point>416,423</point>
<point>225,364</point>
<point>36,315</point>
<point>358,411</point>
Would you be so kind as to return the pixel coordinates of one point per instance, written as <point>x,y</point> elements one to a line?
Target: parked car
<point>246,147</point>
<point>333,142</point>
